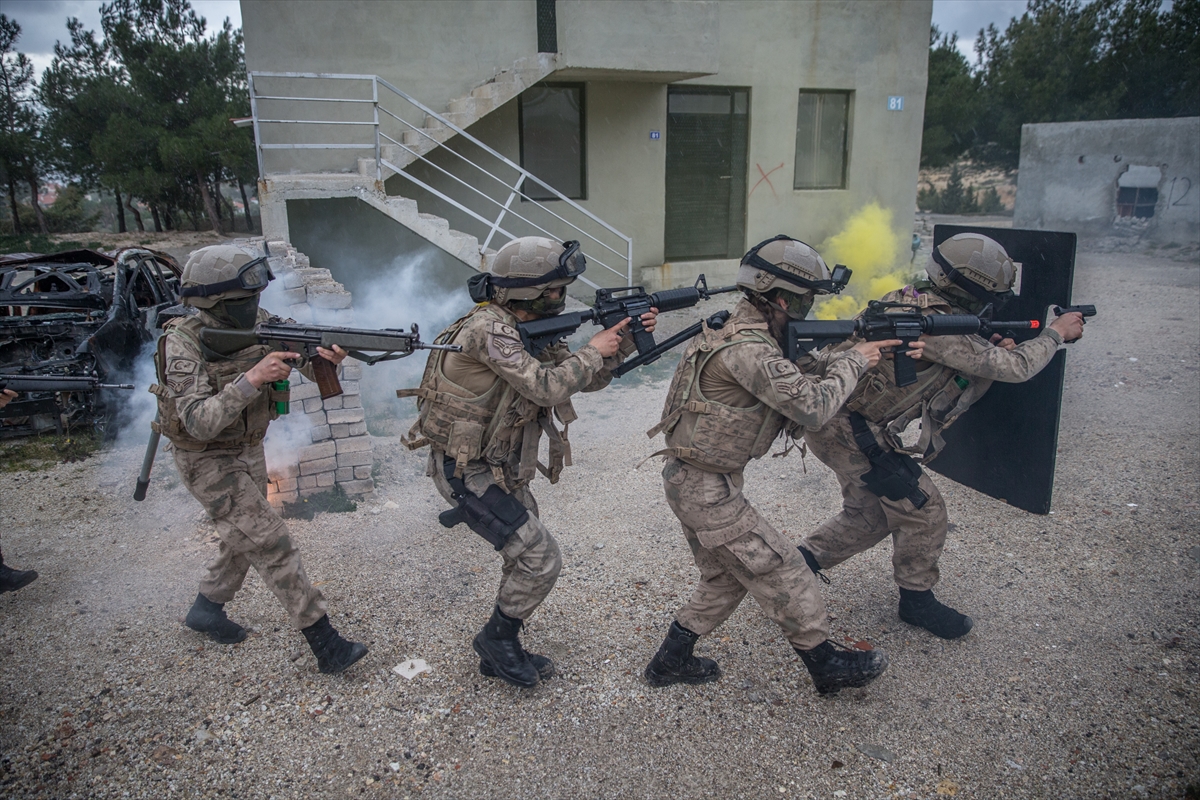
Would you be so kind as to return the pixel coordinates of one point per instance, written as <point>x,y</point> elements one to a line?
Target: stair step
<point>434,223</point>
<point>462,105</point>
<point>461,119</point>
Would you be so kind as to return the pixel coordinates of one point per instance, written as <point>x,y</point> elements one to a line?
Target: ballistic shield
<point>1005,444</point>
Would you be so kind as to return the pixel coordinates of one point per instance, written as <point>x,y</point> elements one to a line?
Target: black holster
<point>495,516</point>
<point>892,475</point>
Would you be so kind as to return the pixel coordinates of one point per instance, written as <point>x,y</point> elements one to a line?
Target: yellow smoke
<point>875,251</point>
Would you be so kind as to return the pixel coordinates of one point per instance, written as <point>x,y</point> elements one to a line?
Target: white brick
<point>351,372</point>
<point>312,275</point>
<point>291,279</point>
<point>358,487</point>
<point>303,391</point>
<point>302,313</point>
<point>320,433</point>
<point>288,484</point>
<point>316,417</point>
<point>317,298</point>
<point>307,482</point>
<point>344,474</point>
<point>351,401</point>
<point>313,452</point>
<point>361,472</point>
<point>319,465</point>
<point>346,415</point>
<point>351,460</point>
<point>358,428</point>
<point>349,386</point>
<point>339,431</point>
<point>313,404</point>
<point>357,444</point>
<point>333,403</point>
<point>295,297</point>
<point>325,479</point>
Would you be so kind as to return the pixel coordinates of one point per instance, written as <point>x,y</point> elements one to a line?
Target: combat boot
<point>500,651</point>
<point>208,617</point>
<point>333,653</point>
<point>543,665</point>
<point>13,579</point>
<point>674,662</point>
<point>926,611</point>
<point>834,667</point>
<point>811,560</point>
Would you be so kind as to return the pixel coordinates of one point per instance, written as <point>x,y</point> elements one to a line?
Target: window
<point>822,123</point>
<point>1137,191</point>
<point>552,146</point>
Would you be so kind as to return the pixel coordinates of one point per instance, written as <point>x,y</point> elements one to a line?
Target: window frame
<point>526,194</point>
<point>846,138</point>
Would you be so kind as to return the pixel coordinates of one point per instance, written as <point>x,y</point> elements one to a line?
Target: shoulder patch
<point>780,367</point>
<point>504,343</point>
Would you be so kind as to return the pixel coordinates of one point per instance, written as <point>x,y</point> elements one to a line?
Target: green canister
<point>283,387</point>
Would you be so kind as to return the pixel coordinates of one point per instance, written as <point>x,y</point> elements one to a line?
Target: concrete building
<point>1130,177</point>
<point>668,135</point>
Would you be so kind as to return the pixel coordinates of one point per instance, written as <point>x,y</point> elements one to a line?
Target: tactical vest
<point>489,426</point>
<point>250,427</point>
<point>940,395</point>
<point>713,436</point>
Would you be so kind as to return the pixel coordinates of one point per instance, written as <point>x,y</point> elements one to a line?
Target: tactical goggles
<point>969,286</point>
<point>835,284</point>
<point>252,277</point>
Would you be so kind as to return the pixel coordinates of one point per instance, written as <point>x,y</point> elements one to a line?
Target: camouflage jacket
<point>955,372</point>
<point>734,392</point>
<point>493,401</point>
<point>208,402</point>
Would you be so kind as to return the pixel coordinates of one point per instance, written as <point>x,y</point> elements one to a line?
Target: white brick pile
<point>326,441</point>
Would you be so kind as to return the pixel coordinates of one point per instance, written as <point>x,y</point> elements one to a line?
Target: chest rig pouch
<point>892,475</point>
<point>495,516</point>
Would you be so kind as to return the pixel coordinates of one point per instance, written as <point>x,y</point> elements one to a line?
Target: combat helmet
<point>524,269</point>
<point>785,267</point>
<point>976,265</point>
<point>225,280</point>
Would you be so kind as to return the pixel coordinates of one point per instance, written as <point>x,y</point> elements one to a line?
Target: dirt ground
<point>1080,680</point>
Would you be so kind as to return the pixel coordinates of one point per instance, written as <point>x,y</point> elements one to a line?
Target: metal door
<point>707,133</point>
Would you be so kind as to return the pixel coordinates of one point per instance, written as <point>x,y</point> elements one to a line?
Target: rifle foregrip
<point>905,367</point>
<point>326,375</point>
<point>675,299</point>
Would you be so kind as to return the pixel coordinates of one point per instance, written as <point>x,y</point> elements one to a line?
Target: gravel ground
<point>1079,680</point>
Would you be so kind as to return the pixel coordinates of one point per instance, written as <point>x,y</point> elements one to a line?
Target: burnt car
<point>78,314</point>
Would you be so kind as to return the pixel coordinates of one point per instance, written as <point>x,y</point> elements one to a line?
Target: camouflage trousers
<point>232,485</point>
<point>918,535</point>
<point>738,552</point>
<point>531,558</point>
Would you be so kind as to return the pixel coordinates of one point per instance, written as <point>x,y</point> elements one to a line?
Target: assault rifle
<point>716,322</point>
<point>55,383</point>
<point>393,343</point>
<point>878,324</point>
<point>612,306</point>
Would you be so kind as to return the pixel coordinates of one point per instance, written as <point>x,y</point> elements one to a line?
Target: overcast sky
<point>44,21</point>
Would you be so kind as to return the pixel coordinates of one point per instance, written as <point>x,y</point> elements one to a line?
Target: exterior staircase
<point>396,144</point>
<point>462,112</point>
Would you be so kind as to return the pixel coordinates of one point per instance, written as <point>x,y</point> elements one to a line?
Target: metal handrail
<point>515,188</point>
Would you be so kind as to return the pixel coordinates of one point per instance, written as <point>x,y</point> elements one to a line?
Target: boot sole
<point>21,584</point>
<point>217,637</point>
<point>852,683</point>
<point>660,680</point>
<point>485,669</point>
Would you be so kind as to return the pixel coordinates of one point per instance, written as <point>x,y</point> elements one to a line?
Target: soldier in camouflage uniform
<point>966,272</point>
<point>13,579</point>
<point>215,409</point>
<point>483,412</point>
<point>732,395</point>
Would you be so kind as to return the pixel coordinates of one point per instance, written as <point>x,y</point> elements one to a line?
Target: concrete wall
<point>1069,173</point>
<point>625,52</point>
